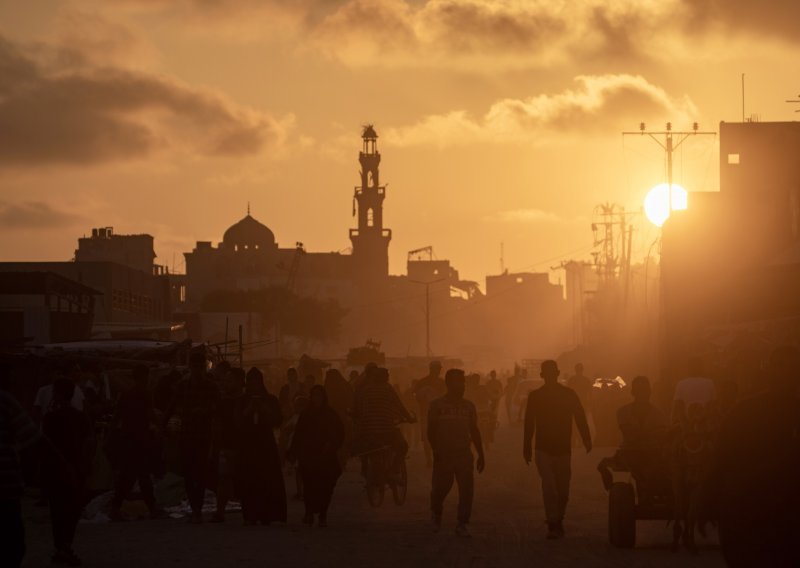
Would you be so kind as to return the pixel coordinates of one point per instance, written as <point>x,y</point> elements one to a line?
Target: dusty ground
<point>507,528</point>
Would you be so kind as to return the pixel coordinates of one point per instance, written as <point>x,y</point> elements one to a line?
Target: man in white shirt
<point>694,389</point>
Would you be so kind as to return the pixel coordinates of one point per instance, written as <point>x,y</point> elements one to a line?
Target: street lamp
<point>427,311</point>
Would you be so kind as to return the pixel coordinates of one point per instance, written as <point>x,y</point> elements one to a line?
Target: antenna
<point>502,258</point>
<point>742,97</point>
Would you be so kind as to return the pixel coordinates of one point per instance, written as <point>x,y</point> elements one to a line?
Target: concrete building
<point>44,307</point>
<point>249,258</point>
<point>125,295</point>
<point>135,251</point>
<point>135,297</point>
<point>731,261</point>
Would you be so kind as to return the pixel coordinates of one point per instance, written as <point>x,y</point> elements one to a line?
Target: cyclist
<point>379,412</point>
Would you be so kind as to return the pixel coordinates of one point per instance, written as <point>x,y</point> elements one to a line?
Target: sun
<point>656,204</point>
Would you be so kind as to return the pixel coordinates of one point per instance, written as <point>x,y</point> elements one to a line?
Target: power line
<point>672,141</point>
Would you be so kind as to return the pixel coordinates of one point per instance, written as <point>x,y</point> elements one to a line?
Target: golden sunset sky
<point>499,121</point>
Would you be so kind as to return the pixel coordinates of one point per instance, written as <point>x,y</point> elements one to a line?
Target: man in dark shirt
<point>644,433</point>
<point>549,415</point>
<point>495,388</point>
<point>642,425</point>
<point>138,446</point>
<point>196,401</point>
<point>452,429</point>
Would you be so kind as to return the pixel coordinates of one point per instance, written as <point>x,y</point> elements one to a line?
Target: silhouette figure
<point>753,475</point>
<point>316,442</point>
<point>549,414</point>
<point>452,430</point>
<point>196,403</point>
<point>259,471</point>
<point>226,454</point>
<point>139,450</point>
<point>69,431</point>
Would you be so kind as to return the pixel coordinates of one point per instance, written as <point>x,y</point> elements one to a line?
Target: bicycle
<point>384,469</point>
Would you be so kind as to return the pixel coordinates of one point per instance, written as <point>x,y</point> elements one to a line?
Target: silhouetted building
<point>760,169</point>
<point>126,295</point>
<point>526,315</point>
<point>731,261</point>
<point>135,297</point>
<point>370,240</point>
<point>249,258</point>
<point>135,251</point>
<point>44,307</point>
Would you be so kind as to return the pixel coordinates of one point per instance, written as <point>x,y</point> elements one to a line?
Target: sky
<point>499,121</point>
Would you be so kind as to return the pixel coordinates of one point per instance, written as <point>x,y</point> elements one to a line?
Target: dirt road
<point>507,529</point>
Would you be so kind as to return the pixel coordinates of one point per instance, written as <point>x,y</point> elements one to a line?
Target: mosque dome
<point>248,234</point>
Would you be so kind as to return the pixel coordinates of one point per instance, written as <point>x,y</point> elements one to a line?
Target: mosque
<point>428,310</point>
<point>250,258</point>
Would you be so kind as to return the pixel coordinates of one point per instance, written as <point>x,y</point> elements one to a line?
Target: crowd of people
<point>221,425</point>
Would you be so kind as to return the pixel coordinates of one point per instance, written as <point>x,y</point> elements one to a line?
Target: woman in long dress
<point>260,479</point>
<point>317,439</point>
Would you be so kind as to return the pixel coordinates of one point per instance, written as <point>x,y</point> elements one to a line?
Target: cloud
<point>83,113</point>
<point>86,35</point>
<point>598,104</point>
<point>486,33</point>
<point>523,216</point>
<point>774,18</point>
<point>35,215</point>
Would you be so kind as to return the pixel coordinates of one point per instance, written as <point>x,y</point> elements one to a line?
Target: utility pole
<point>672,139</point>
<point>611,231</point>
<point>428,312</point>
<point>628,264</point>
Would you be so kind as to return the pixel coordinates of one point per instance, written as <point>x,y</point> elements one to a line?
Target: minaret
<point>370,239</point>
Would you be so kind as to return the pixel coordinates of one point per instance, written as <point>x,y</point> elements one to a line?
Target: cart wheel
<point>622,515</point>
<point>400,487</point>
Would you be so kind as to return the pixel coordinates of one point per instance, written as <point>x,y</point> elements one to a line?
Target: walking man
<point>452,429</point>
<point>138,447</point>
<point>549,415</point>
<point>196,402</point>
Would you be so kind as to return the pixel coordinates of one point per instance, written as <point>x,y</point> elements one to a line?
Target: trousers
<point>555,473</point>
<point>65,511</point>
<point>195,455</point>
<point>446,469</point>
<point>12,537</point>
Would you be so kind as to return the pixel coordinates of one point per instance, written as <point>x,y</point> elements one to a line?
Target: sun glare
<point>656,204</point>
